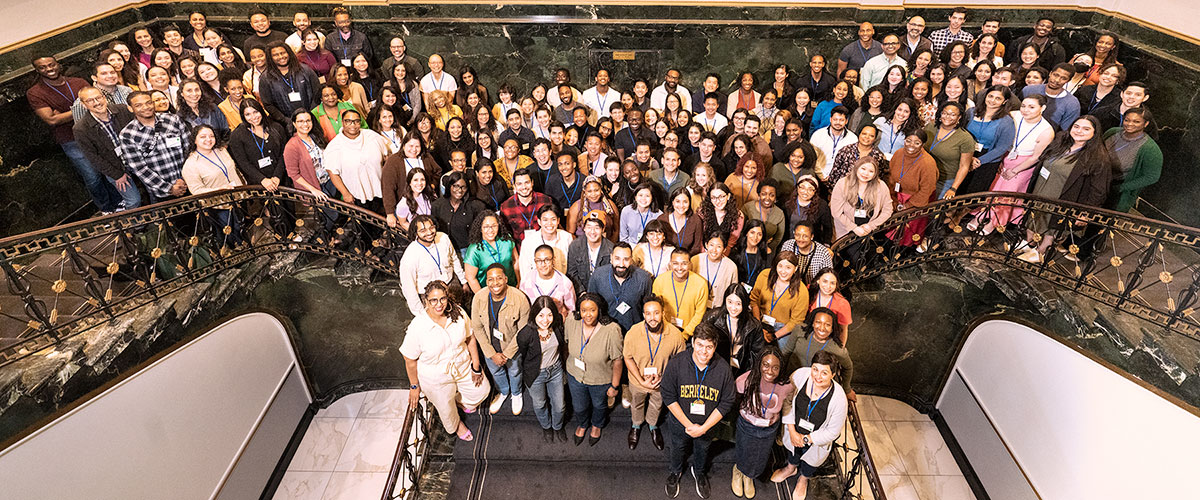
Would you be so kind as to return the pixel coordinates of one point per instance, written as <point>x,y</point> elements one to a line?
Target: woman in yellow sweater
<point>779,299</point>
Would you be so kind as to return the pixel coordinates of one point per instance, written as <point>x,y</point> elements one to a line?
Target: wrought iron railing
<point>1143,267</point>
<point>67,279</point>
<point>409,461</point>
<point>856,469</point>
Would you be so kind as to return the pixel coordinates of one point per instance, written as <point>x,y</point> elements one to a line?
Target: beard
<point>655,328</point>
<point>621,271</point>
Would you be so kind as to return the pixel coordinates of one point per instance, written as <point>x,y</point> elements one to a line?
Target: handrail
<point>410,452</point>
<point>862,458</point>
<point>125,260</point>
<point>1135,251</point>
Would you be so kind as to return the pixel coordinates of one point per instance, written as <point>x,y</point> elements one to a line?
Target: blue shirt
<point>1062,111</point>
<point>996,137</point>
<point>632,293</point>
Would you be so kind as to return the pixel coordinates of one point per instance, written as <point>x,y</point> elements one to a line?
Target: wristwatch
<point>615,387</point>
<point>414,386</point>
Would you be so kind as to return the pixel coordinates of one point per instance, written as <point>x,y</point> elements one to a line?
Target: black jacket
<point>274,88</point>
<point>97,147</point>
<point>529,352</point>
<point>244,149</point>
<point>749,331</point>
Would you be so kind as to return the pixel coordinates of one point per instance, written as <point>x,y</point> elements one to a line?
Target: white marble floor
<point>347,450</point>
<point>910,455</point>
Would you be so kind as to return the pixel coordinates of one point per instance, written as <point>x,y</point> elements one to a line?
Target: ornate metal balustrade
<point>1142,267</point>
<point>67,279</point>
<point>409,460</point>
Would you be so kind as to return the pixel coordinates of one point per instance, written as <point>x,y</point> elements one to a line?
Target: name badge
<point>264,162</point>
<point>173,141</point>
<point>768,319</point>
<point>697,407</point>
<point>579,364</point>
<point>806,425</point>
<point>498,334</point>
<point>897,187</point>
<point>1044,173</point>
<point>406,107</point>
<point>678,322</point>
<point>1012,155</point>
<point>978,147</point>
<point>345,62</point>
<point>747,287</point>
<point>649,371</point>
<point>860,213</point>
<point>757,421</point>
<point>294,96</point>
<point>622,308</point>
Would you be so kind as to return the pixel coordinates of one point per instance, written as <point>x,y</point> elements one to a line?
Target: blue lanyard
<point>904,165</point>
<point>836,141</point>
<point>679,231</point>
<point>1127,143</point>
<point>528,219</point>
<point>775,298</point>
<point>862,52</point>
<point>539,289</point>
<point>433,255</point>
<point>632,139</point>
<point>261,152</point>
<point>826,304</point>
<point>815,402</point>
<point>770,398</point>
<point>494,250</point>
<point>650,257</point>
<point>438,84</point>
<point>574,190</point>
<point>891,138</point>
<point>288,80</point>
<point>586,339</point>
<point>676,292</point>
<point>493,186</point>
<point>710,278</point>
<point>370,88</point>
<point>699,376</point>
<point>938,140</point>
<point>644,218</point>
<point>613,288</point>
<point>750,272</point>
<point>220,165</point>
<point>654,352</point>
<point>808,349</point>
<point>492,310</point>
<point>59,92</point>
<point>1020,139</point>
<point>306,144</point>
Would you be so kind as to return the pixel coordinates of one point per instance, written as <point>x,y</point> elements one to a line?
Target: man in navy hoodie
<point>698,390</point>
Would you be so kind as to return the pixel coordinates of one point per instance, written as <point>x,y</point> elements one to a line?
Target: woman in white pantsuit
<point>441,360</point>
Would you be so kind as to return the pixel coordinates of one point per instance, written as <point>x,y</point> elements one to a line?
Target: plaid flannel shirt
<point>151,153</point>
<point>521,217</point>
<point>943,37</point>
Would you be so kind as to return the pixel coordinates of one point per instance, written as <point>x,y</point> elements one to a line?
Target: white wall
<point>176,429</point>
<point>1177,15</point>
<point>1077,429</point>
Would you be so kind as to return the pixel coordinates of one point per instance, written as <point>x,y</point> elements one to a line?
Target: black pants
<point>678,441</point>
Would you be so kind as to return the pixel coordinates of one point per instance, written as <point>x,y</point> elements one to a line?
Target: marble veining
<point>355,485</point>
<point>322,444</point>
<point>371,445</point>
<point>302,485</point>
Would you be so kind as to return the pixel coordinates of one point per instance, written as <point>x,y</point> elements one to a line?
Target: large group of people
<point>658,246</point>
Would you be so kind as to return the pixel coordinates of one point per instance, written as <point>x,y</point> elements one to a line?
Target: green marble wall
<point>522,44</point>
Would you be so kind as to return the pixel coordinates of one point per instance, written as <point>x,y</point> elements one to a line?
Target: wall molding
<point>899,7</point>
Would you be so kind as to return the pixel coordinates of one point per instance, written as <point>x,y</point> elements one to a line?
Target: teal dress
<point>483,254</point>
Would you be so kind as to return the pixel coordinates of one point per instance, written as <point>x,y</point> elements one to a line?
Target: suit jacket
<point>97,147</point>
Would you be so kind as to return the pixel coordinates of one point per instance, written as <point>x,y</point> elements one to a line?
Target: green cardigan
<point>1147,167</point>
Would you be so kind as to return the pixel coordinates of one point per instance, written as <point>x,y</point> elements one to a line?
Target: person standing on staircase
<point>704,384</point>
<point>441,360</point>
<point>497,312</point>
<point>648,346</point>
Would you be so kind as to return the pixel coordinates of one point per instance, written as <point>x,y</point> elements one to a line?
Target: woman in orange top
<point>779,298</point>
<point>824,294</point>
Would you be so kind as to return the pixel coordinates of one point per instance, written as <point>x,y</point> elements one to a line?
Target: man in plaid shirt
<point>522,207</point>
<point>946,36</point>
<point>154,146</point>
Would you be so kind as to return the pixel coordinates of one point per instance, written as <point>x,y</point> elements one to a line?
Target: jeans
<point>222,218</point>
<point>942,187</point>
<point>507,377</point>
<point>590,403</point>
<point>329,216</point>
<point>548,388</point>
<point>678,442</point>
<point>131,198</point>
<point>104,195</point>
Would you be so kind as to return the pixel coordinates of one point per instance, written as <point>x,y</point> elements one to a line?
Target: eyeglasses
<point>548,260</point>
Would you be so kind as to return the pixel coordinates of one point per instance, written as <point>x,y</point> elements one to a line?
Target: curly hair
<point>502,233</point>
<point>453,311</point>
<point>708,213</point>
<point>751,398</point>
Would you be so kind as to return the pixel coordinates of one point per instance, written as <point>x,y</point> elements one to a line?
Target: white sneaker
<point>517,403</point>
<point>497,402</point>
<point>1031,256</point>
<point>625,403</point>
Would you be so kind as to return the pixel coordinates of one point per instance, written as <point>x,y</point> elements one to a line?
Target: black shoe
<point>702,488</point>
<point>592,440</point>
<point>579,439</point>
<point>673,485</point>
<point>634,434</point>
<point>548,435</point>
<point>561,434</point>
<point>656,438</point>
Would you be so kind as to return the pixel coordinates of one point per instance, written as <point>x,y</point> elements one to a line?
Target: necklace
<point>547,336</point>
